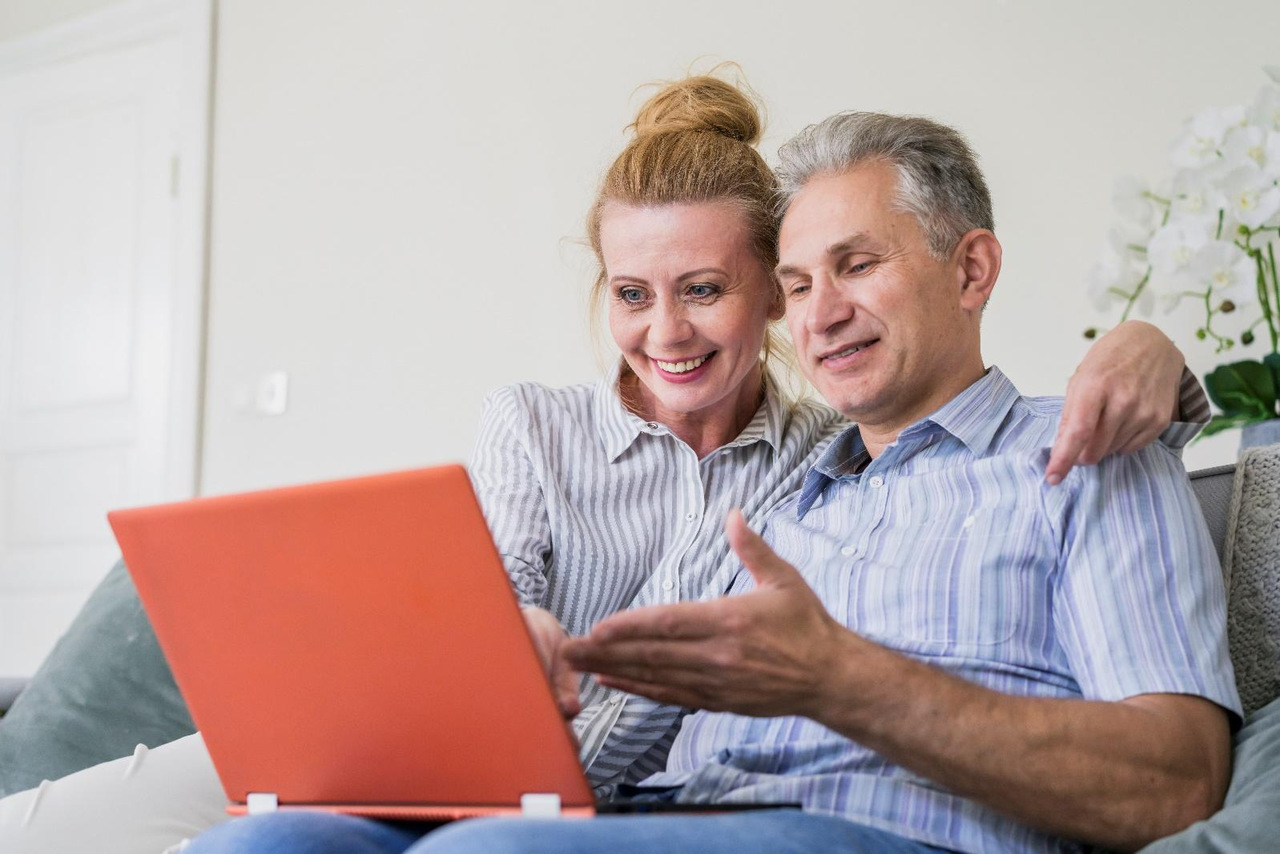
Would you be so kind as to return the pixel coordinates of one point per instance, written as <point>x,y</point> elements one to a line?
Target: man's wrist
<point>839,688</point>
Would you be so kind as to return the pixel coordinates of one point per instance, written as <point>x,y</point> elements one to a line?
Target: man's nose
<point>827,306</point>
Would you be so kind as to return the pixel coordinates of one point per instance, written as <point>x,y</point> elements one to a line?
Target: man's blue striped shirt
<point>951,549</point>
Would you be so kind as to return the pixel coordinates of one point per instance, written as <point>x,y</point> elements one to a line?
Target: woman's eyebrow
<point>702,271</point>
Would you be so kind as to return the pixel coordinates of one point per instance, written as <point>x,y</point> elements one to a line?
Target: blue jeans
<point>774,831</point>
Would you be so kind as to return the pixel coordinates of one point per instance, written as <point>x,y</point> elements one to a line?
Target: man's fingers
<point>1079,421</point>
<point>763,563</point>
<point>682,620</point>
<point>642,659</point>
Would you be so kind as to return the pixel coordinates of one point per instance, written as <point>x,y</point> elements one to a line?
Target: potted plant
<point>1207,237</point>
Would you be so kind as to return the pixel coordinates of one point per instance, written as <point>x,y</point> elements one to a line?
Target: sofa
<point>106,688</point>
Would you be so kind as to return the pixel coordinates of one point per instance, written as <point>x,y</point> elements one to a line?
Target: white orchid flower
<point>1245,145</point>
<point>1113,278</point>
<point>1131,197</point>
<point>1197,194</point>
<point>1203,136</point>
<point>1265,109</point>
<point>1271,156</point>
<point>1129,239</point>
<point>1252,195</point>
<point>1227,270</point>
<point>1174,245</point>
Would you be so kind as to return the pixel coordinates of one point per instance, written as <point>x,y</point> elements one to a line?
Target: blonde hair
<point>694,141</point>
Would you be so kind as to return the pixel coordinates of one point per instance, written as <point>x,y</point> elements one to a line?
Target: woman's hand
<point>548,639</point>
<point>1120,399</point>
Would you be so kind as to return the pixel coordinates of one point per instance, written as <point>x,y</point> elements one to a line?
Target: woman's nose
<point>670,328</point>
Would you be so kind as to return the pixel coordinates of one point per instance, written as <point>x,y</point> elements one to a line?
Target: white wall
<point>398,184</point>
<point>21,17</point>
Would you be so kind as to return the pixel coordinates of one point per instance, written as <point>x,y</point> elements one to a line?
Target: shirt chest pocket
<point>954,586</point>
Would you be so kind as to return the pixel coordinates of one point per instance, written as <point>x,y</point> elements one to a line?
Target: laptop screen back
<point>352,642</point>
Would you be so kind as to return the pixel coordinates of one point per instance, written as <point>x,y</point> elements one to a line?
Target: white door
<point>98,352</point>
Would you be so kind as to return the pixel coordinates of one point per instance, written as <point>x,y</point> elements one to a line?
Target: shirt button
<point>876,482</point>
<point>668,584</point>
<point>652,425</point>
<point>691,517</point>
<point>848,551</point>
<point>968,522</point>
<point>615,700</point>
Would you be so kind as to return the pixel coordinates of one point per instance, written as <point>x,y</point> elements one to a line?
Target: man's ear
<point>977,259</point>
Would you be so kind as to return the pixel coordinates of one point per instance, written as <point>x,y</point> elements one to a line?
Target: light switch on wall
<point>273,393</point>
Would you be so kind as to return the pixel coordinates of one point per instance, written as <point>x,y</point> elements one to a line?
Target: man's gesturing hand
<point>763,653</point>
<point>549,638</point>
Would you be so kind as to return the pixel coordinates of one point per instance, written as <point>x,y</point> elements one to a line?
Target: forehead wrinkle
<point>861,240</point>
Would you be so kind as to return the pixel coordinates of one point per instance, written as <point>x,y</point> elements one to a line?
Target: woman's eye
<point>631,295</point>
<point>702,291</point>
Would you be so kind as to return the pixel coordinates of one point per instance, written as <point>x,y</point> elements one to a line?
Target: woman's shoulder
<point>534,397</point>
<point>540,414</point>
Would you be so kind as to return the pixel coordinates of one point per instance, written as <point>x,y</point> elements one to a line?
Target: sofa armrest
<point>10,688</point>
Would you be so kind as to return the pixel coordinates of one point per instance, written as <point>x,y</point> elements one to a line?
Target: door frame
<point>126,24</point>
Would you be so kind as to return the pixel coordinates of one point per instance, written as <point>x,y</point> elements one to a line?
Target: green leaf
<point>1272,361</point>
<point>1245,389</point>
<point>1225,422</point>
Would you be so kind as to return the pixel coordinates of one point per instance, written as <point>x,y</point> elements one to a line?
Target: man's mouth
<point>846,351</point>
<point>684,366</point>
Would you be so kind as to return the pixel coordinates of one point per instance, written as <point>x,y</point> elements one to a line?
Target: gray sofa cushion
<point>103,689</point>
<point>1249,822</point>
<point>1251,566</point>
<point>1213,489</point>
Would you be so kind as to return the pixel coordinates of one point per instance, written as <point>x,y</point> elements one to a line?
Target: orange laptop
<point>354,646</point>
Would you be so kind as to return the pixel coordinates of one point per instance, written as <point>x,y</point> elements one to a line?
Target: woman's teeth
<point>682,367</point>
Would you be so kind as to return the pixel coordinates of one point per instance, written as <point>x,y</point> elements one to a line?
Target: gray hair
<point>939,182</point>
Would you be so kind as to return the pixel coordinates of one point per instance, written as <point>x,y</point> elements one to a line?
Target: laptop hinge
<point>540,805</point>
<point>257,803</point>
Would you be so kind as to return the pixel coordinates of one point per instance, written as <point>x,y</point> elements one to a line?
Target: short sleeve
<point>1139,605</point>
<point>1193,413</point>
<point>506,482</point>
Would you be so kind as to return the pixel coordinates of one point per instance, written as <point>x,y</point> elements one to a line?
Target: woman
<point>610,497</point>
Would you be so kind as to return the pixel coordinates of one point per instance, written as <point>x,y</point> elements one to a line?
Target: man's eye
<point>860,268</point>
<point>797,291</point>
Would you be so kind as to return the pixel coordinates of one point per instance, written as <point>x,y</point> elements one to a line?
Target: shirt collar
<point>769,422</point>
<point>973,416</point>
<point>619,427</point>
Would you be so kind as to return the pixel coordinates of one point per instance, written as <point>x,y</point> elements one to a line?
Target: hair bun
<point>702,103</point>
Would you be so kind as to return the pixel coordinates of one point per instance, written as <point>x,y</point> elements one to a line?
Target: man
<point>944,650</point>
